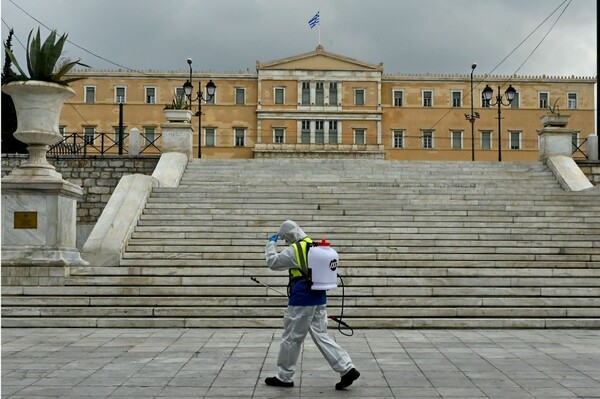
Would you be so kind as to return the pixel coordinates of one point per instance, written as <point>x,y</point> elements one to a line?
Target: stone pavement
<point>233,363</point>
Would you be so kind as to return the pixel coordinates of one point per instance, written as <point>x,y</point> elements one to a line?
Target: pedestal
<point>39,218</point>
<point>555,141</point>
<point>177,137</point>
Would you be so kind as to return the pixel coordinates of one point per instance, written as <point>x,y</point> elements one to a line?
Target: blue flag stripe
<point>314,20</point>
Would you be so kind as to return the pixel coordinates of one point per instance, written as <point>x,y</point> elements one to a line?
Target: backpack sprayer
<point>322,275</point>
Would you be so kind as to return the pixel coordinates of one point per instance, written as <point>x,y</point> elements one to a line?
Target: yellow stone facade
<point>324,104</point>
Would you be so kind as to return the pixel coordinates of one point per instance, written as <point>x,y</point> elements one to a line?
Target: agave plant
<point>179,102</point>
<point>45,61</point>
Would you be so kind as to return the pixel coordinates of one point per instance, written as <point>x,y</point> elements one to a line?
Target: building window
<point>333,132</point>
<point>240,96</point>
<point>398,94</point>
<point>150,95</point>
<point>62,129</point>
<point>359,136</point>
<point>428,139</point>
<point>90,94</point>
<point>150,134</point>
<point>305,93</point>
<point>305,132</point>
<point>359,97</point>
<point>456,99</point>
<point>456,140</point>
<point>319,132</point>
<point>571,100</point>
<point>117,135</point>
<point>398,138</point>
<point>484,103</point>
<point>544,99</point>
<point>515,140</point>
<point>240,137</point>
<point>120,95</point>
<point>575,142</point>
<point>88,135</point>
<point>279,95</point>
<point>179,92</point>
<point>515,102</point>
<point>319,94</point>
<point>210,137</point>
<point>333,93</point>
<point>486,140</point>
<point>427,98</point>
<point>279,135</point>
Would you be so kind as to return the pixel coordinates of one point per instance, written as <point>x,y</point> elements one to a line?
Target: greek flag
<point>314,21</point>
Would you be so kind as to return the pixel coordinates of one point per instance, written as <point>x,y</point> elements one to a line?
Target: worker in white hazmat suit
<point>306,311</point>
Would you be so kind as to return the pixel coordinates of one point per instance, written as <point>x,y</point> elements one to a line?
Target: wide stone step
<point>351,282</point>
<point>366,271</point>
<point>538,262</point>
<point>334,302</point>
<point>253,322</point>
<point>448,255</point>
<point>349,232</point>
<point>275,312</point>
<point>466,239</point>
<point>272,220</point>
<point>415,246</point>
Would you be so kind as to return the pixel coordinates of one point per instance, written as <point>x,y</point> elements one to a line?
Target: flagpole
<point>319,33</point>
<point>314,21</point>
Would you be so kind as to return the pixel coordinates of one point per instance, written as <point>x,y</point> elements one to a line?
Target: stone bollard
<point>135,144</point>
<point>591,149</point>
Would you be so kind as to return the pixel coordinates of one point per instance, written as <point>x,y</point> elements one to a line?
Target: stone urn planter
<point>555,120</point>
<point>38,105</point>
<point>178,115</point>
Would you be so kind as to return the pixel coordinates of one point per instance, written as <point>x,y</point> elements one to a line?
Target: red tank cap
<point>324,243</point>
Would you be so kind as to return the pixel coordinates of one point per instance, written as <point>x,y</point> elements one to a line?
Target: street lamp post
<point>510,96</point>
<point>188,88</point>
<point>472,116</point>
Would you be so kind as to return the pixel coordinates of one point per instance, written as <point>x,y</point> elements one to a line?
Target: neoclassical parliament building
<point>324,104</point>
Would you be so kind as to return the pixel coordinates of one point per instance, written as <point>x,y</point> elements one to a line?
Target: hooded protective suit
<point>306,312</point>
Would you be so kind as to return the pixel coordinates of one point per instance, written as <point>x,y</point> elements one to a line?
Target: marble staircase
<point>421,245</point>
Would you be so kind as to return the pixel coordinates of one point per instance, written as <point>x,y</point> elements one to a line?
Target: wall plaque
<point>25,220</point>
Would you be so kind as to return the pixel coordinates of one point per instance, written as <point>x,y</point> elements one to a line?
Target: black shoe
<point>347,379</point>
<point>276,382</point>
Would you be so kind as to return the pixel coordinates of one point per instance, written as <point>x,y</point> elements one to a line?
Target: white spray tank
<point>323,262</point>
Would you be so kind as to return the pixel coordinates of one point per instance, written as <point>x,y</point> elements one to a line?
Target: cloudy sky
<point>552,37</point>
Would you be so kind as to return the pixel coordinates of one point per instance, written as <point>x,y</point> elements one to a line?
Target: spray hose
<point>337,319</point>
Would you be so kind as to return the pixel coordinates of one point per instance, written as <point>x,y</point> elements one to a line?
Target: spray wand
<point>334,318</point>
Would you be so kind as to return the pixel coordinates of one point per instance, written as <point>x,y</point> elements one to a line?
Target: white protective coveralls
<point>300,320</point>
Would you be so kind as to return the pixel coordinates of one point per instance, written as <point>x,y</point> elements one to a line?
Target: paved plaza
<point>233,363</point>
